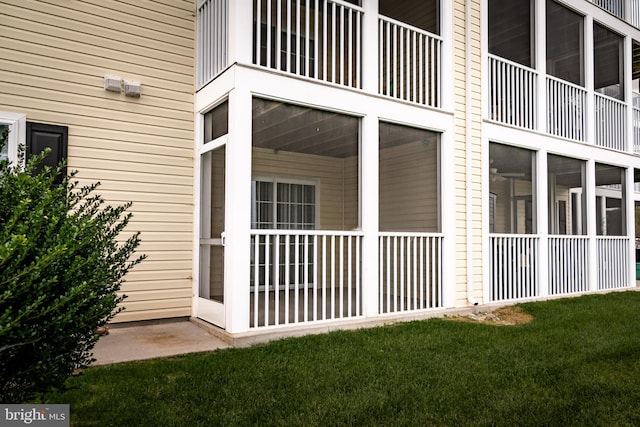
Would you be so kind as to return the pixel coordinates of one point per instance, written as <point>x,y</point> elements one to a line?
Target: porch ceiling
<point>279,126</point>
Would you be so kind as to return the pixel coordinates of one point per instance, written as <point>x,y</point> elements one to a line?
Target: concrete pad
<point>147,340</point>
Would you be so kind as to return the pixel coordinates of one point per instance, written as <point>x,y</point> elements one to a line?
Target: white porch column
<point>589,81</point>
<point>540,48</point>
<point>369,184</point>
<point>370,47</point>
<point>446,32</point>
<point>590,195</point>
<point>630,225</point>
<point>628,93</point>
<point>542,213</point>
<point>240,31</point>
<point>238,212</point>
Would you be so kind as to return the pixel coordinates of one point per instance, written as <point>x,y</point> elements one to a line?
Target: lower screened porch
<point>308,254</point>
<point>558,225</point>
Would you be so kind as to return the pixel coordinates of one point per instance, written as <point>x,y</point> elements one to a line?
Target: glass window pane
<point>319,148</point>
<point>567,204</point>
<point>409,179</point>
<point>610,200</point>
<point>511,30</point>
<point>608,62</point>
<point>216,122</point>
<point>423,14</point>
<point>565,56</point>
<point>512,187</point>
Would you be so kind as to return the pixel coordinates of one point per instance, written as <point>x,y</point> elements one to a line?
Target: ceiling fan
<point>496,176</point>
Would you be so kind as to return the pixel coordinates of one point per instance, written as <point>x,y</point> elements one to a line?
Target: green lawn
<point>577,363</point>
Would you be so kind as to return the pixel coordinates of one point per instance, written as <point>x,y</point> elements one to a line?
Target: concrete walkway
<point>146,340</point>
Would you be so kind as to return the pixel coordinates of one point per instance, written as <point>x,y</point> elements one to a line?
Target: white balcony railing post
<point>410,63</point>
<point>317,40</point>
<point>304,276</point>
<point>514,271</point>
<point>410,272</point>
<point>512,93</point>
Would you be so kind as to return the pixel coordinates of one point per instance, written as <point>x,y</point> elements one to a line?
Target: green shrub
<point>61,264</point>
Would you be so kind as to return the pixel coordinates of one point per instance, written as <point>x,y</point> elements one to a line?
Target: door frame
<point>205,308</point>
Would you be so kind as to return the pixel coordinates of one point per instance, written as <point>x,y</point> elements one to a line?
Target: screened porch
<point>561,94</point>
<point>582,245</point>
<point>306,239</point>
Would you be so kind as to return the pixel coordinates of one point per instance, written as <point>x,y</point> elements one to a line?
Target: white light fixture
<point>112,83</point>
<point>132,89</point>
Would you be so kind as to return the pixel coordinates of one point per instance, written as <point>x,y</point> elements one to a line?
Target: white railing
<point>213,27</point>
<point>636,130</point>
<point>614,7</point>
<point>613,262</point>
<point>568,264</point>
<point>566,109</point>
<point>512,96</point>
<point>316,39</point>
<point>514,267</point>
<point>304,276</point>
<point>635,13</point>
<point>410,272</point>
<point>610,116</point>
<point>410,63</point>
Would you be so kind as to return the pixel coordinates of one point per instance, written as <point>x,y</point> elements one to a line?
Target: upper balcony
<point>627,10</point>
<point>325,40</point>
<point>569,76</point>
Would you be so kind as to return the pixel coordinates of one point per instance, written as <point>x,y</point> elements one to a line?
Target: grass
<point>577,363</point>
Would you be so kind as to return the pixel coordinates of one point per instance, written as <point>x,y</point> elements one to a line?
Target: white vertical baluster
<point>324,277</point>
<point>276,280</point>
<point>315,277</point>
<point>349,273</point>
<point>267,277</point>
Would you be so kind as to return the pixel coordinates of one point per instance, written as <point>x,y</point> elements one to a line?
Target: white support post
<point>542,213</point>
<point>240,31</point>
<point>541,66</point>
<point>369,214</point>
<point>589,82</point>
<point>590,195</point>
<point>448,220</point>
<point>630,225</point>
<point>237,215</point>
<point>446,32</point>
<point>370,47</point>
<point>628,93</point>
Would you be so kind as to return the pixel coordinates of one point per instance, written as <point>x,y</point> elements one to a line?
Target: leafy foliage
<point>61,265</point>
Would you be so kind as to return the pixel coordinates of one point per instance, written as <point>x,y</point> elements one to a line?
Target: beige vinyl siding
<point>335,180</point>
<point>463,142</point>
<point>53,58</point>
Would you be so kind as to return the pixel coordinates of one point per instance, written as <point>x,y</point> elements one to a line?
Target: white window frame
<point>287,180</point>
<point>17,124</point>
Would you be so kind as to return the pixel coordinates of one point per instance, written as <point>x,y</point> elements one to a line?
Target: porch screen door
<point>211,288</point>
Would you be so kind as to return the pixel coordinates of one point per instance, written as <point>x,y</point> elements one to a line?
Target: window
<point>610,200</point>
<point>511,30</point>
<point>565,56</point>
<point>16,124</point>
<point>608,62</point>
<point>566,187</point>
<point>283,205</point>
<point>512,187</point>
<point>409,180</point>
<point>423,14</point>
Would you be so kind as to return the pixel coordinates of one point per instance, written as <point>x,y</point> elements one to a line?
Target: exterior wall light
<point>112,83</point>
<point>132,89</point>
